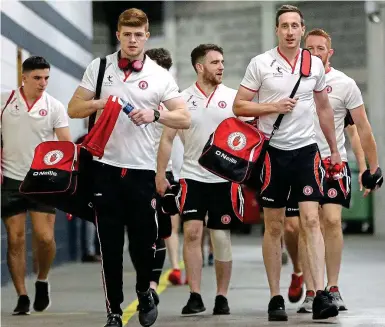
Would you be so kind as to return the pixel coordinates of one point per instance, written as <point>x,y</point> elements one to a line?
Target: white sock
<point>42,280</point>
<point>298,274</point>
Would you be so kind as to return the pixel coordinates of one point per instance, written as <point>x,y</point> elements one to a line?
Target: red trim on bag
<point>123,173</point>
<point>267,176</point>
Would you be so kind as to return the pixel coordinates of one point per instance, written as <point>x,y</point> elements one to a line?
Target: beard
<point>211,78</point>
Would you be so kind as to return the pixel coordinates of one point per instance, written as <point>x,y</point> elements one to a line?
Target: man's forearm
<point>357,150</point>
<point>369,145</point>
<point>178,119</point>
<point>252,109</point>
<point>326,120</point>
<point>78,108</point>
<point>164,154</point>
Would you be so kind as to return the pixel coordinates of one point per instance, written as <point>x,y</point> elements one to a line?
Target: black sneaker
<point>221,306</point>
<point>22,307</point>
<point>114,320</point>
<point>42,299</point>
<point>276,309</point>
<point>323,307</point>
<point>154,295</point>
<point>148,312</point>
<point>194,305</point>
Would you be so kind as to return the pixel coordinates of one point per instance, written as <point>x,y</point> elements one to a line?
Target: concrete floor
<point>77,296</point>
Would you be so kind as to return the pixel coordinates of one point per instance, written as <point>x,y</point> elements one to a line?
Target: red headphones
<point>125,64</point>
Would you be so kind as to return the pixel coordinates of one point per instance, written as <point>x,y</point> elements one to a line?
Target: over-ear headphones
<point>124,64</point>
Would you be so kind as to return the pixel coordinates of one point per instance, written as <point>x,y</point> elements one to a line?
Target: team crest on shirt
<point>236,141</point>
<point>307,190</point>
<point>225,219</point>
<point>329,89</point>
<point>143,85</point>
<point>43,112</point>
<point>53,157</point>
<point>222,104</point>
<point>332,193</point>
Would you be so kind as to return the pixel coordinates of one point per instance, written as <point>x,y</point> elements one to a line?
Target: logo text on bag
<point>45,173</point>
<point>236,141</point>
<point>224,156</point>
<point>53,157</point>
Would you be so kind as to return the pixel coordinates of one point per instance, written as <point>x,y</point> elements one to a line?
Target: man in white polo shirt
<point>29,116</point>
<point>209,102</point>
<point>349,112</point>
<point>292,163</point>
<point>124,179</point>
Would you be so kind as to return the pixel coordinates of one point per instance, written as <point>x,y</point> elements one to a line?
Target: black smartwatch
<point>156,115</point>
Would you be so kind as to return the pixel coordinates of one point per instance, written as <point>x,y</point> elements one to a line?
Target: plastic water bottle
<point>127,108</point>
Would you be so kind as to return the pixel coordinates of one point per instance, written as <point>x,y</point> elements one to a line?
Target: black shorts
<point>338,191</point>
<point>198,199</point>
<point>335,191</point>
<point>14,203</point>
<point>297,172</point>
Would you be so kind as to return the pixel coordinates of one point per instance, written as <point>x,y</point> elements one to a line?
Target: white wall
<point>62,84</point>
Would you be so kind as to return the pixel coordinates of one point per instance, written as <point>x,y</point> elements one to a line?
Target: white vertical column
<point>375,103</point>
<point>170,35</point>
<point>268,25</point>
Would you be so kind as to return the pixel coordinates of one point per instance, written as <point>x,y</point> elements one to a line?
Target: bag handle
<point>2,111</point>
<point>304,72</point>
<point>102,69</point>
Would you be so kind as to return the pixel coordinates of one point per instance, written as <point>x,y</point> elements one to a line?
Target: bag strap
<point>2,111</point>
<point>102,69</point>
<point>302,73</point>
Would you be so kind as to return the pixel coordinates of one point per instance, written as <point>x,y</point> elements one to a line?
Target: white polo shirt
<point>175,162</point>
<point>271,75</point>
<point>207,112</point>
<point>24,127</point>
<point>129,145</point>
<point>343,94</point>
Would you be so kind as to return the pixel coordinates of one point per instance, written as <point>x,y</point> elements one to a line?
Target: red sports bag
<point>245,204</point>
<point>235,151</point>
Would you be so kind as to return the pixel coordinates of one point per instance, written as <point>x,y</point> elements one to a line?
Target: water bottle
<point>127,108</point>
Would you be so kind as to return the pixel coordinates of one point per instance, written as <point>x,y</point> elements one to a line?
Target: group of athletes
<point>302,192</point>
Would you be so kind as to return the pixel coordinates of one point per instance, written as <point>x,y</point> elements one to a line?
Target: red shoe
<point>175,277</point>
<point>296,288</point>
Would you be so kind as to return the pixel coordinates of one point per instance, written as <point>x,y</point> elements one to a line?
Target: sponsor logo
<point>279,72</point>
<point>307,190</point>
<point>225,219</point>
<point>236,141</point>
<point>292,209</point>
<point>222,104</point>
<point>332,193</point>
<point>190,211</point>
<point>43,112</point>
<point>53,157</point>
<point>224,156</point>
<point>329,89</point>
<point>45,173</point>
<point>267,199</point>
<point>143,85</point>
<point>109,81</point>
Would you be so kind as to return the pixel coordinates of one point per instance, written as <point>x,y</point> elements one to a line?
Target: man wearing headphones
<point>124,179</point>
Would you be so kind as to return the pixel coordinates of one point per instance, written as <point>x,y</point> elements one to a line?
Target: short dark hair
<point>161,56</point>
<point>35,62</point>
<point>288,8</point>
<point>201,50</point>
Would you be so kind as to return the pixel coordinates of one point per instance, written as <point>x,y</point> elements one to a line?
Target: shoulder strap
<point>1,117</point>
<point>102,69</point>
<point>304,72</point>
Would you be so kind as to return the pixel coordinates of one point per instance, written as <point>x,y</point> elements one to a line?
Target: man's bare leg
<point>172,244</point>
<point>192,253</point>
<point>291,236</point>
<point>43,225</point>
<point>271,247</point>
<point>15,227</point>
